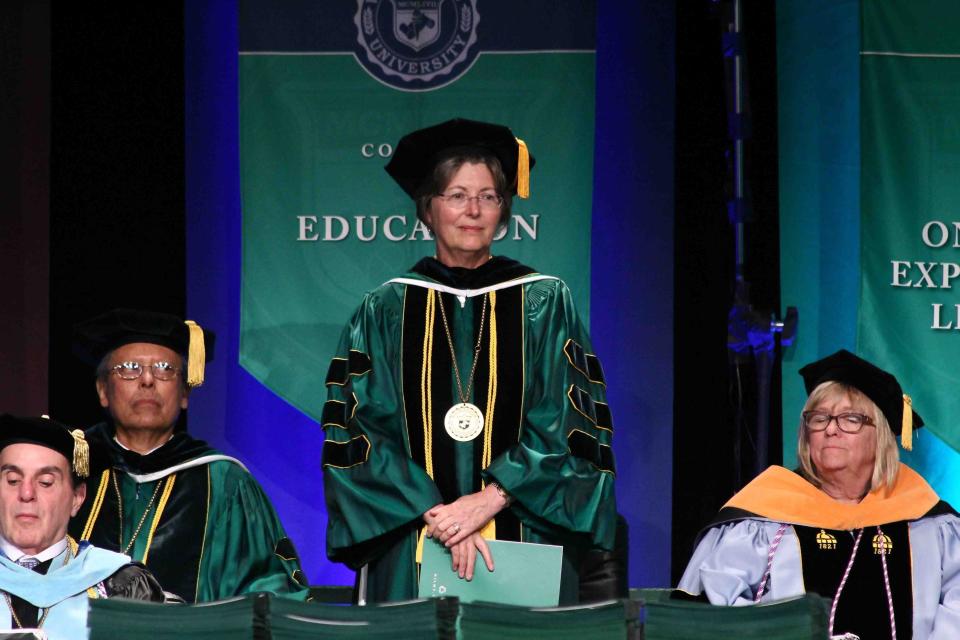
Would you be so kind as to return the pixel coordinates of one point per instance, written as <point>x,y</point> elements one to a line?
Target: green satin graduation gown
<point>547,435</point>
<point>197,519</point>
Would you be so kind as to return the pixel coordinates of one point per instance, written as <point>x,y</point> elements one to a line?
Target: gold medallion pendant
<point>463,422</point>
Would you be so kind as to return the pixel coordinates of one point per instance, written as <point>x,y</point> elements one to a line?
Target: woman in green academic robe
<point>464,401</point>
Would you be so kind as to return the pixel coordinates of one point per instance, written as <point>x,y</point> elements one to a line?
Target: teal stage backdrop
<point>320,112</point>
<point>870,237</point>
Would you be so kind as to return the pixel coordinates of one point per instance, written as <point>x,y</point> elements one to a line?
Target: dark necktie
<point>26,612</point>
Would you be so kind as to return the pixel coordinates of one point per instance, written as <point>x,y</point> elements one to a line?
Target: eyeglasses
<point>132,370</point>
<point>847,422</point>
<point>459,200</point>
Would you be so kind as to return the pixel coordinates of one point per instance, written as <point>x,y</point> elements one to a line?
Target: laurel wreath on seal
<point>368,27</point>
<point>466,19</point>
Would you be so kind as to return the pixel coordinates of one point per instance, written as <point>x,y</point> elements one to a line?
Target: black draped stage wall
<point>116,176</point>
<point>705,386</point>
<point>117,224</point>
<point>24,196</point>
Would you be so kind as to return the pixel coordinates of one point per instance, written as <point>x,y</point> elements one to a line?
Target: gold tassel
<point>81,454</point>
<point>196,355</point>
<point>906,435</point>
<point>523,169</point>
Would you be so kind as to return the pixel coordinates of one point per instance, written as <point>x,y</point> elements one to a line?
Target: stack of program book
<point>268,617</point>
<point>802,618</point>
<point>613,619</point>
<point>434,619</point>
<point>241,618</point>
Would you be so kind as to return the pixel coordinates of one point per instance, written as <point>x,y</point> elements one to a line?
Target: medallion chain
<point>143,518</point>
<point>464,397</point>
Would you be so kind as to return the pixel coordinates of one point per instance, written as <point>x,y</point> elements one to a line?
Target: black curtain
<point>706,391</point>
<point>116,176</point>
<point>24,213</point>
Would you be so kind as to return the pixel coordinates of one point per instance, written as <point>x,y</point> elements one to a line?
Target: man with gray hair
<point>196,517</point>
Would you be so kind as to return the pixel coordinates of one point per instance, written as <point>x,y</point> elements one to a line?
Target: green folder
<point>524,574</point>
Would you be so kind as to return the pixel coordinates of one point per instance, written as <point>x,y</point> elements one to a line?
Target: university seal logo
<point>416,45</point>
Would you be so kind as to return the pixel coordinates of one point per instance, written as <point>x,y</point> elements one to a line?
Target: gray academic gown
<point>731,557</point>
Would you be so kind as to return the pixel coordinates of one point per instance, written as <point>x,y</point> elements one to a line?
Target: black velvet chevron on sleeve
<point>356,363</point>
<point>343,455</point>
<point>338,413</point>
<point>596,412</point>
<point>590,449</point>
<point>586,363</point>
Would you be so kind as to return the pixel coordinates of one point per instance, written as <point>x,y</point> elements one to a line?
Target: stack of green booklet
<point>418,619</point>
<point>268,617</point>
<point>801,618</point>
<point>601,621</point>
<point>235,619</point>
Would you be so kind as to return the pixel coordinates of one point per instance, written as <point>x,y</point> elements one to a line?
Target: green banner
<point>819,150</point>
<point>323,222</point>
<point>909,318</point>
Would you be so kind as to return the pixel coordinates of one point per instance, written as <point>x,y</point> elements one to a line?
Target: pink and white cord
<point>882,542</point>
<point>770,553</point>
<point>886,582</point>
<point>843,581</point>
